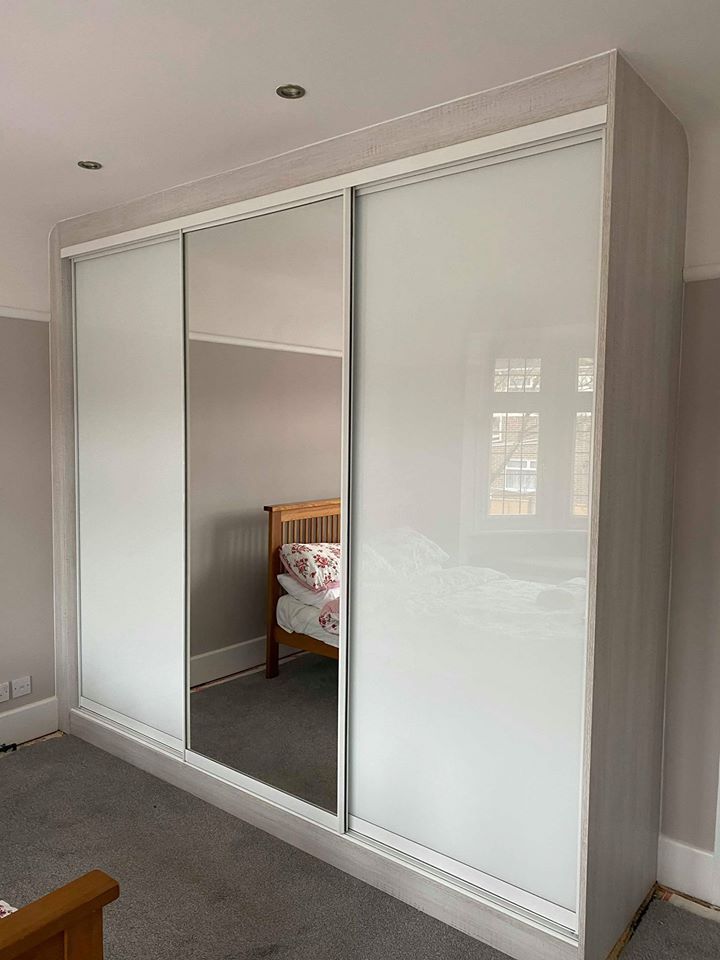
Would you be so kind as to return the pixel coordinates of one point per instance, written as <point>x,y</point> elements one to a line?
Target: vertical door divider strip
<point>345,512</point>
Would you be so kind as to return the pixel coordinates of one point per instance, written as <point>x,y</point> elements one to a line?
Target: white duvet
<point>485,600</point>
<point>297,617</point>
<point>488,604</point>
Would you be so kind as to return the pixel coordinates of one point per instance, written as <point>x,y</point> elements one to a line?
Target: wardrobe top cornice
<point>569,89</point>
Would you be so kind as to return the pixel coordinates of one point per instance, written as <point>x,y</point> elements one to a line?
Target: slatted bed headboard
<point>312,521</point>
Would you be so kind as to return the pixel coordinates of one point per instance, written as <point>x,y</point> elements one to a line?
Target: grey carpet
<point>670,933</point>
<point>199,884</point>
<point>281,731</point>
<point>196,883</point>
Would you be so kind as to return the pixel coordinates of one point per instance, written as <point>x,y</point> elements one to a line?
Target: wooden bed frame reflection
<point>67,924</point>
<point>312,521</point>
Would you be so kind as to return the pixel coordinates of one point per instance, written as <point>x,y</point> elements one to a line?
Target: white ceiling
<point>165,91</point>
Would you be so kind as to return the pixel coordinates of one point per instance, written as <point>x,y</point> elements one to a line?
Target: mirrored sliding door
<point>475,327</point>
<point>264,395</point>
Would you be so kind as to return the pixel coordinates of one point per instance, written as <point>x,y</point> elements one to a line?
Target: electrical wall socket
<point>21,687</point>
<point>4,691</point>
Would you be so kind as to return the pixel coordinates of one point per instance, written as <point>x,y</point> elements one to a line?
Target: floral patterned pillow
<point>315,565</point>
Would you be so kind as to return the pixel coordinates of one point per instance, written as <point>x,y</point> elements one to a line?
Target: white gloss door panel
<point>475,323</point>
<point>130,435</point>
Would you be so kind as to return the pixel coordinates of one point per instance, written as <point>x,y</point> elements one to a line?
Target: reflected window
<point>517,375</point>
<point>513,463</point>
<point>581,464</point>
<point>586,375</point>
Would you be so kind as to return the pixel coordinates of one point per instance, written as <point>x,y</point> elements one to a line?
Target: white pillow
<point>313,598</point>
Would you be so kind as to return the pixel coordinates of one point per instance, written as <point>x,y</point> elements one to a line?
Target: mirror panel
<point>264,301</point>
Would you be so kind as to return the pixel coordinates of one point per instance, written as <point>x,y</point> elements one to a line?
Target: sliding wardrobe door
<point>476,295</point>
<point>130,430</point>
<point>265,313</point>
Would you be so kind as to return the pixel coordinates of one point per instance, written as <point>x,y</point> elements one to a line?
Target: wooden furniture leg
<point>271,656</point>
<point>273,591</point>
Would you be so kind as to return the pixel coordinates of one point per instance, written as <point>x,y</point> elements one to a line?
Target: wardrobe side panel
<point>62,444</point>
<point>130,385</point>
<point>646,179</point>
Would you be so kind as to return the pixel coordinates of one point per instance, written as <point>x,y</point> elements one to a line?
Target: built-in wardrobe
<point>509,303</point>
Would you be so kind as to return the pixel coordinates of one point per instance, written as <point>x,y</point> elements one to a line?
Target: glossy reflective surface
<point>475,329</point>
<point>130,437</point>
<point>264,388</point>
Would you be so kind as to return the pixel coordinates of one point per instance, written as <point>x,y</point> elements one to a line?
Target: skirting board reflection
<point>282,732</point>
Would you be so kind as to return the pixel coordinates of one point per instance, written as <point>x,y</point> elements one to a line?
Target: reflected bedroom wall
<point>264,427</point>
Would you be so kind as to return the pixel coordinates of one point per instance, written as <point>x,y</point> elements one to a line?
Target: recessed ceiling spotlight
<point>89,164</point>
<point>290,91</point>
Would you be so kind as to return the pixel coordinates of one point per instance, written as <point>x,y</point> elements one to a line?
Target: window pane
<point>518,375</point>
<point>532,375</point>
<point>501,376</point>
<point>581,464</point>
<point>513,463</point>
<point>586,375</point>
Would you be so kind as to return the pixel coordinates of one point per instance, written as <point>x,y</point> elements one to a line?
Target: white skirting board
<point>450,903</point>
<point>689,870</point>
<point>704,271</point>
<point>29,722</point>
<point>215,664</point>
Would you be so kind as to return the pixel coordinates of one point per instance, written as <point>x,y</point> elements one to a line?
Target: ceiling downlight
<point>290,91</point>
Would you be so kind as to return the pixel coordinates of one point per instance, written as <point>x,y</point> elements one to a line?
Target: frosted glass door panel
<point>129,347</point>
<point>475,327</point>
<point>275,278</point>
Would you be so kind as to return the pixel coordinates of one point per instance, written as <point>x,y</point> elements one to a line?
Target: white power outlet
<point>4,691</point>
<point>21,687</point>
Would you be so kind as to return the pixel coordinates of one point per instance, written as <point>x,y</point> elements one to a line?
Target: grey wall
<point>26,597</point>
<point>264,427</point>
<point>23,263</point>
<point>692,725</point>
